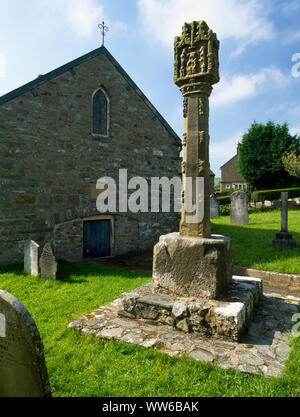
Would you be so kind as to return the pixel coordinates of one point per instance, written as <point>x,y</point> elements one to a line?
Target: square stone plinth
<point>192,266</point>
<point>264,348</point>
<point>226,318</point>
<point>284,240</point>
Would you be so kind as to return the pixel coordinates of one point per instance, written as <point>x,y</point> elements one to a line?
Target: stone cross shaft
<point>196,69</point>
<point>284,211</point>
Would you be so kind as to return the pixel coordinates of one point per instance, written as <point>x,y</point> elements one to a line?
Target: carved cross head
<point>196,55</point>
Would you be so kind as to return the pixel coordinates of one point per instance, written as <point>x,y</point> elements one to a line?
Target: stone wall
<point>49,159</point>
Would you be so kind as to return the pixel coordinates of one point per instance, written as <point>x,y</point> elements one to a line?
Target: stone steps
<point>227,317</point>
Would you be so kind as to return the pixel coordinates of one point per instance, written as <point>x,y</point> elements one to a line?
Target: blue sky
<point>259,54</point>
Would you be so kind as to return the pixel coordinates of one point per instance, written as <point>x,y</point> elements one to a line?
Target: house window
<point>227,186</point>
<point>100,113</point>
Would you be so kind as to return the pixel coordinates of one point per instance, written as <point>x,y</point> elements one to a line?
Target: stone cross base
<point>284,240</point>
<point>192,266</point>
<point>225,318</point>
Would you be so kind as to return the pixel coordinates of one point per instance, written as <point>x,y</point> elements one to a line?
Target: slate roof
<point>31,86</point>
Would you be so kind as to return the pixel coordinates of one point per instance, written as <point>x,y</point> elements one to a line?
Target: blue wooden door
<point>96,238</point>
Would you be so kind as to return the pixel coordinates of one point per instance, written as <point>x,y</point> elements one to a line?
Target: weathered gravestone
<point>31,258</point>
<point>239,208</point>
<point>23,371</point>
<point>48,264</point>
<point>214,207</point>
<point>284,239</point>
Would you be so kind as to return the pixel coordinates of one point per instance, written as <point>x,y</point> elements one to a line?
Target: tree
<point>291,163</point>
<point>260,155</point>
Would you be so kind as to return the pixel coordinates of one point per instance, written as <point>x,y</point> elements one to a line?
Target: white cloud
<point>241,87</point>
<point>295,111</point>
<point>2,65</point>
<point>291,36</point>
<point>295,130</point>
<point>83,15</point>
<point>221,152</point>
<point>244,21</point>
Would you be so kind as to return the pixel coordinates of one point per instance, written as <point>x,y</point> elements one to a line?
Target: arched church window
<point>100,113</point>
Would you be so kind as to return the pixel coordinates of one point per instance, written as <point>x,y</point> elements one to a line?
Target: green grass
<point>85,366</point>
<point>252,243</point>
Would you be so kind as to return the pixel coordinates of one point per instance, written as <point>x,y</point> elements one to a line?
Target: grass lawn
<point>252,242</point>
<point>85,366</point>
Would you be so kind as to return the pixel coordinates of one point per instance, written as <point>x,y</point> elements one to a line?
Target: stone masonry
<point>264,349</point>
<point>50,161</point>
<point>194,262</point>
<point>193,289</point>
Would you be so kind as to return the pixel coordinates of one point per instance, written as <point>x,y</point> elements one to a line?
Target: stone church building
<point>230,176</point>
<point>58,135</point>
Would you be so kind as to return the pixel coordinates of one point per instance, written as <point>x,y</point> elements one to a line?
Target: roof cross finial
<point>104,29</point>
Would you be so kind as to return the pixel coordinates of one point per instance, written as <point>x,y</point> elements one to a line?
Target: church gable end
<point>52,153</point>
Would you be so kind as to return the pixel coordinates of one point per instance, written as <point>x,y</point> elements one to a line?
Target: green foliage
<point>82,366</point>
<point>252,243</point>
<point>224,210</point>
<point>226,192</point>
<point>260,155</point>
<point>224,200</point>
<point>217,184</point>
<point>274,194</point>
<point>291,163</point>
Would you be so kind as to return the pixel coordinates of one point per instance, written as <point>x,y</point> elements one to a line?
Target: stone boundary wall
<point>292,204</point>
<point>291,281</point>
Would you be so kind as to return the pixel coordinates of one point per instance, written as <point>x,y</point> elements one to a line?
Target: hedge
<point>224,200</point>
<point>271,195</point>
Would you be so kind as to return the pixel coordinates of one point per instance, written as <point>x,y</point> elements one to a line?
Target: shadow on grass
<point>79,272</point>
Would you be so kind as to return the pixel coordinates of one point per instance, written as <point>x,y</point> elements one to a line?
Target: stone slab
<point>264,350</point>
<point>23,371</point>
<point>289,280</point>
<point>48,263</point>
<point>284,240</point>
<point>31,255</point>
<point>192,266</point>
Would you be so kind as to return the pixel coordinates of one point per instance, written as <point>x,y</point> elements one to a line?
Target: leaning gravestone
<point>48,264</point>
<point>31,258</point>
<point>214,207</point>
<point>23,371</point>
<point>239,208</point>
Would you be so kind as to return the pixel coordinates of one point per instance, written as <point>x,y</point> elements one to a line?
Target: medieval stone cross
<point>104,29</point>
<point>196,69</point>
<point>194,262</point>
